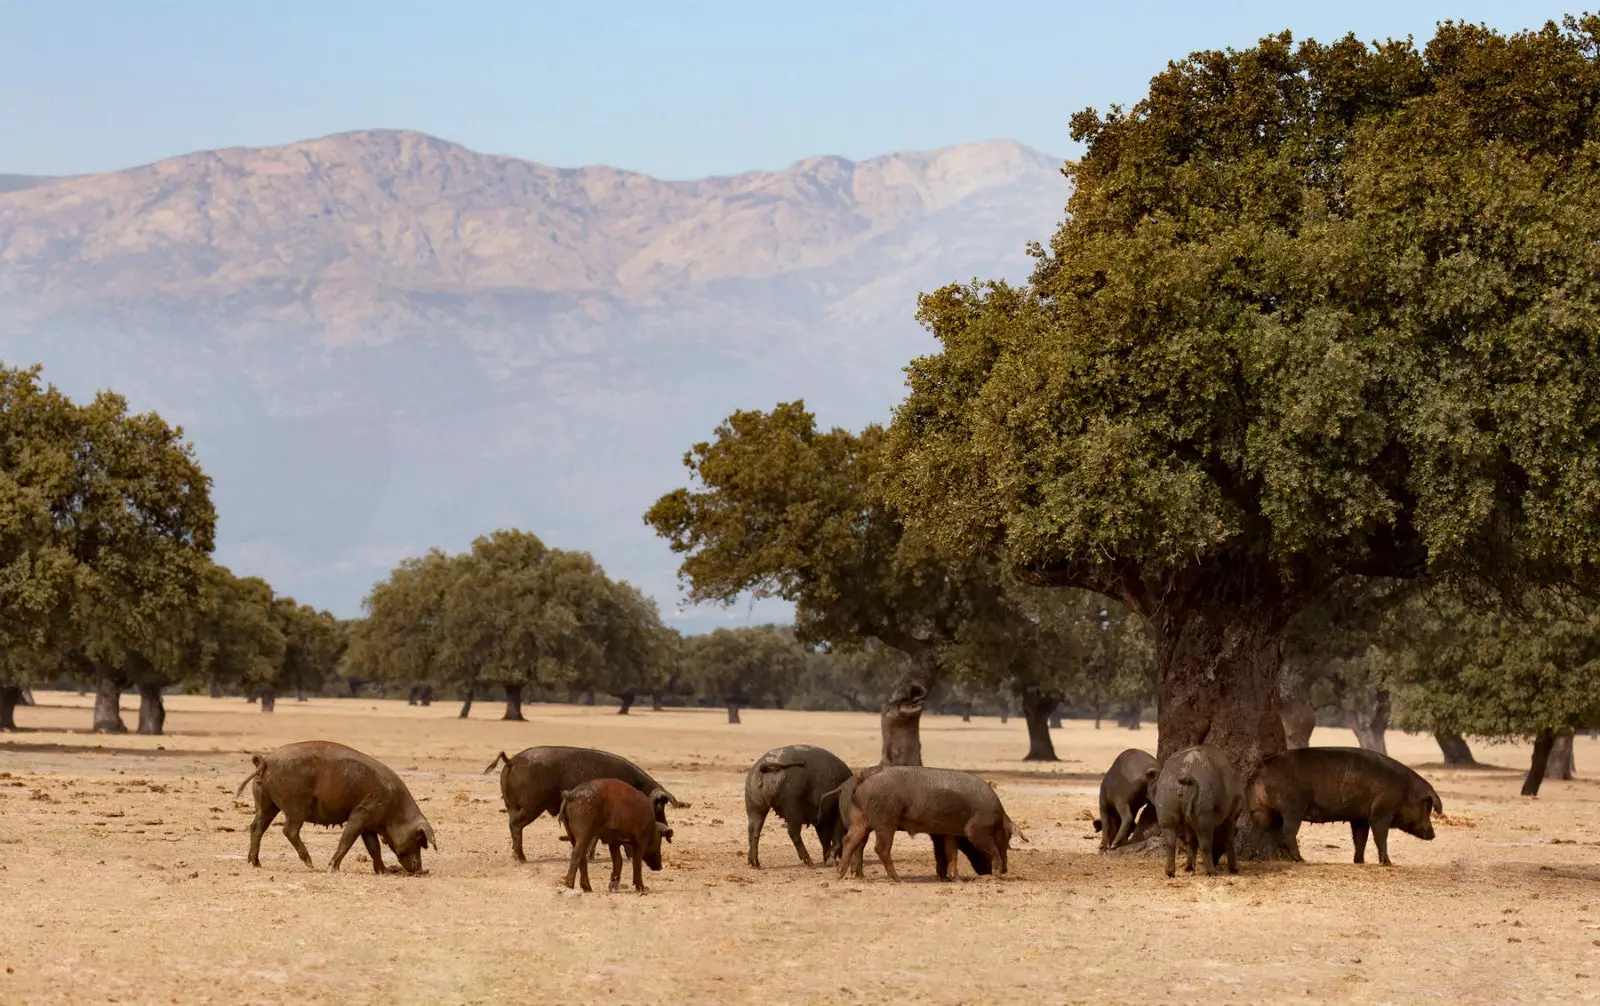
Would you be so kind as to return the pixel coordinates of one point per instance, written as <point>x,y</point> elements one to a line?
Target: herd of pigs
<point>1194,797</point>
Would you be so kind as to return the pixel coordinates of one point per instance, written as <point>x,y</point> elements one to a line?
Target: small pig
<point>1197,798</point>
<point>1124,790</point>
<point>532,781</point>
<point>944,803</point>
<point>1368,789</point>
<point>327,783</point>
<point>794,782</point>
<point>613,812</point>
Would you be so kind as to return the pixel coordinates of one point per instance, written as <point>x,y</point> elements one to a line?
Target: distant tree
<point>855,678</point>
<point>1314,311</point>
<point>1323,661</point>
<point>781,509</point>
<point>1528,674</point>
<point>740,667</point>
<point>313,645</point>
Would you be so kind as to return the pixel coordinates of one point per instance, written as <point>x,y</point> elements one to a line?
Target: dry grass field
<point>122,879</point>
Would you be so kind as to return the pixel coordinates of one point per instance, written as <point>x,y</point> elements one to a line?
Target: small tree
<point>739,667</point>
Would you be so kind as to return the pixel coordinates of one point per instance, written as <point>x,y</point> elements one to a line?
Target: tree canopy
<point>1315,310</point>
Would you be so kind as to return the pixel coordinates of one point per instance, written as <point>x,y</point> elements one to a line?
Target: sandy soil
<point>122,879</point>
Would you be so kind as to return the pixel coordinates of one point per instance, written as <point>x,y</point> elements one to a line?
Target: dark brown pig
<point>1368,789</point>
<point>944,803</point>
<point>1124,790</point>
<point>613,812</point>
<point>327,783</point>
<point>794,782</point>
<point>1198,798</point>
<point>532,781</point>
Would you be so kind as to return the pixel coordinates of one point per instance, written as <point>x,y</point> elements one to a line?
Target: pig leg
<point>1291,840</point>
<point>291,831</point>
<point>757,821</point>
<point>616,866</point>
<point>1192,842</point>
<point>1358,835</point>
<point>1229,833</point>
<point>1108,822</point>
<point>519,820</point>
<point>585,853</point>
<point>853,843</point>
<point>942,857</point>
<point>574,861</point>
<point>265,812</point>
<point>951,856</point>
<point>352,831</point>
<point>1125,818</point>
<point>1169,841</point>
<point>638,872</point>
<point>1205,838</point>
<point>799,843</point>
<point>885,846</point>
<point>374,851</point>
<point>1380,838</point>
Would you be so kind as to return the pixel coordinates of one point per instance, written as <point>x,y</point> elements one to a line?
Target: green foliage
<point>313,643</point>
<point>106,526</point>
<point>747,666</point>
<point>1492,672</point>
<point>784,510</point>
<point>1315,310</point>
<point>511,611</point>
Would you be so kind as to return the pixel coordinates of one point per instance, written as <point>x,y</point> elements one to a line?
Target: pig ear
<point>1435,804</point>
<point>428,841</point>
<point>666,832</point>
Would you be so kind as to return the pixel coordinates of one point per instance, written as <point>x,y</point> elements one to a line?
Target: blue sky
<point>678,90</point>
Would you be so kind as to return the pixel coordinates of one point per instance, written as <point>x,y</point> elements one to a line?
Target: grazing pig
<point>613,812</point>
<point>1124,790</point>
<point>531,783</point>
<point>327,783</point>
<point>793,781</point>
<point>1368,789</point>
<point>1197,798</point>
<point>944,803</point>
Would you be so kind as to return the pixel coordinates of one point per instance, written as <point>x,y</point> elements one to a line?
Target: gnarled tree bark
<point>152,711</point>
<point>1036,711</point>
<point>1454,748</point>
<point>901,719</point>
<point>108,705</point>
<point>1367,714</point>
<point>1299,715</point>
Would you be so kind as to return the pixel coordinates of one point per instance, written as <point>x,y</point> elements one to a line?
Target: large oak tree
<point>1315,310</point>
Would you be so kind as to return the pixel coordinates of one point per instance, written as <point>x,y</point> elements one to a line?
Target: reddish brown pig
<point>327,783</point>
<point>613,812</point>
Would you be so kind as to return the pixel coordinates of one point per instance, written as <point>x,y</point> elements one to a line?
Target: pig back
<point>535,778</point>
<point>1337,784</point>
<point>323,782</point>
<point>928,800</point>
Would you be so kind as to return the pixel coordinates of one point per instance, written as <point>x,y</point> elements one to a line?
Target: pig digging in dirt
<point>613,812</point>
<point>794,782</point>
<point>1198,797</point>
<point>1124,791</point>
<point>1368,789</point>
<point>324,783</point>
<point>947,804</point>
<point>532,781</point>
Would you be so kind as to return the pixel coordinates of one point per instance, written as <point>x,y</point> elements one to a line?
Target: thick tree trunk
<point>1541,760</point>
<point>216,688</point>
<point>1299,715</point>
<point>1560,766</point>
<point>966,712</point>
<point>588,697</point>
<point>901,720</point>
<point>655,702</point>
<point>269,701</point>
<point>10,695</point>
<point>733,712</point>
<point>1219,662</point>
<point>513,703</point>
<point>1005,715</point>
<point>626,698</point>
<point>152,711</point>
<point>108,706</point>
<point>426,696</point>
<point>1368,715</point>
<point>300,695</point>
<point>1454,748</point>
<point>466,705</point>
<point>1036,711</point>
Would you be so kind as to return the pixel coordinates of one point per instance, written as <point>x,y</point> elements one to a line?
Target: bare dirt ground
<point>122,879</point>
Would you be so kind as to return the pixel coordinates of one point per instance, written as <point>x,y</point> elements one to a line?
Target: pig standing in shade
<point>1368,789</point>
<point>1124,790</point>
<point>1197,798</point>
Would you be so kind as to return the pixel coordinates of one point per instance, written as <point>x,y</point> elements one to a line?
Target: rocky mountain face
<point>382,341</point>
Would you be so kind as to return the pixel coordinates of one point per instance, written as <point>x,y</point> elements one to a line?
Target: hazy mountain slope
<point>381,341</point>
